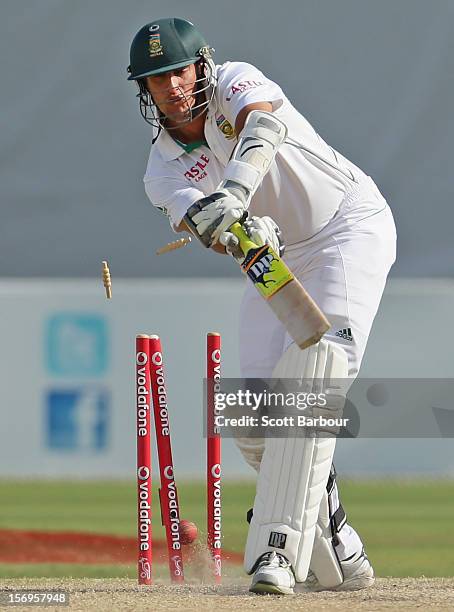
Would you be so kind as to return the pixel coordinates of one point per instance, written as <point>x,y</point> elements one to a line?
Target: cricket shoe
<point>358,574</point>
<point>273,575</point>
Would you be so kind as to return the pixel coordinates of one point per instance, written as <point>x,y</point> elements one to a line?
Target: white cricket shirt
<point>302,190</point>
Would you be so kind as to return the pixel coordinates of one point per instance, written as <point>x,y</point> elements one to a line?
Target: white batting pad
<point>324,562</point>
<point>294,471</point>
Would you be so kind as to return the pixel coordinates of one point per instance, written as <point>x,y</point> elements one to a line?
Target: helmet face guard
<point>163,46</point>
<point>203,92</point>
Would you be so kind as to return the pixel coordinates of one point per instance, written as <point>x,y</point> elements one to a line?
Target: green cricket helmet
<point>169,44</point>
<point>163,45</point>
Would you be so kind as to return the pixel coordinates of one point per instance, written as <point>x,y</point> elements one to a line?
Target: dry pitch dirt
<point>123,594</point>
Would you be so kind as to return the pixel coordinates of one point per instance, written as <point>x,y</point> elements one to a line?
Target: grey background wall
<point>375,78</point>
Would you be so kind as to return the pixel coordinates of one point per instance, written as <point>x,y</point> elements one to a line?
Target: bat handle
<point>246,244</point>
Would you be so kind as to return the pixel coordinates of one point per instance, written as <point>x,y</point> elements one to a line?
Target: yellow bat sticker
<point>262,265</point>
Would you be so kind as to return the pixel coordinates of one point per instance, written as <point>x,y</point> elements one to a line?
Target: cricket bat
<point>285,295</point>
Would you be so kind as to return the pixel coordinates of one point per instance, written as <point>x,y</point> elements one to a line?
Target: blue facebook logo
<point>77,419</point>
<point>76,344</point>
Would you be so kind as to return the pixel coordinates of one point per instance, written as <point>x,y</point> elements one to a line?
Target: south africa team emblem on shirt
<point>225,127</point>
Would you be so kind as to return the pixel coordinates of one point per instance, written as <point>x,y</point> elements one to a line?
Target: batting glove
<point>261,230</point>
<point>209,217</point>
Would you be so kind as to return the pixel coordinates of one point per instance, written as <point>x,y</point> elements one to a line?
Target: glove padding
<point>261,230</point>
<point>209,217</point>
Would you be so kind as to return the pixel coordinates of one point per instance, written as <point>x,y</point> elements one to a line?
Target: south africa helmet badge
<point>154,42</point>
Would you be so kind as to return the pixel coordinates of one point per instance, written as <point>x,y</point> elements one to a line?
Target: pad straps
<point>337,515</point>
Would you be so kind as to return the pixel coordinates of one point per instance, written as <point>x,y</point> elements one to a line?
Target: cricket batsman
<point>229,146</point>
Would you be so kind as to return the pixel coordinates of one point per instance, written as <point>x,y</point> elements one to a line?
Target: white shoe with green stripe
<point>273,575</point>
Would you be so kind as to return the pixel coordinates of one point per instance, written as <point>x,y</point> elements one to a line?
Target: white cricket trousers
<point>344,268</point>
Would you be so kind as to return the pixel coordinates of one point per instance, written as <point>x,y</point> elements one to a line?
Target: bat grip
<point>246,244</point>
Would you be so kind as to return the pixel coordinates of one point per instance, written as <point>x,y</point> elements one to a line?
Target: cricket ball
<point>188,532</point>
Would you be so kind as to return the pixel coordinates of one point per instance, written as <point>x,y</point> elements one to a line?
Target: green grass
<point>110,507</point>
<point>406,525</point>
